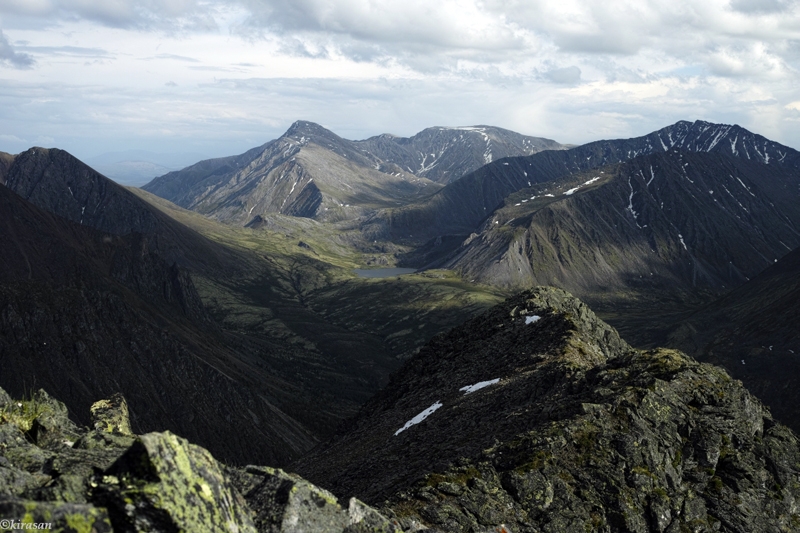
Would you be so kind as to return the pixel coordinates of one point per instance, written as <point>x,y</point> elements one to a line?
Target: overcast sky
<point>221,76</point>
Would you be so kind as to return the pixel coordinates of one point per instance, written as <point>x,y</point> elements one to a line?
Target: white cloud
<point>222,74</point>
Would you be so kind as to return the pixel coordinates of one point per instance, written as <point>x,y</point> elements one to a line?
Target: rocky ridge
<point>106,479</point>
<point>536,416</point>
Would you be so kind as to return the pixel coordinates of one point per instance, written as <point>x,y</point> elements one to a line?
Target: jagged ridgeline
<point>537,416</point>
<point>462,205</point>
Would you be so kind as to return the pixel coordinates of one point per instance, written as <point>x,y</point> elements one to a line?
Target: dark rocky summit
<point>540,418</point>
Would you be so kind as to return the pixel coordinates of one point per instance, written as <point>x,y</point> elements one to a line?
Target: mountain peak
<point>304,128</point>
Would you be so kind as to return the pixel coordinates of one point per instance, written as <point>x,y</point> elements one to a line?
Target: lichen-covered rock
<point>52,428</point>
<point>111,415</point>
<point>109,480</point>
<point>365,519</point>
<point>5,399</point>
<point>103,440</point>
<point>287,503</point>
<point>164,483</point>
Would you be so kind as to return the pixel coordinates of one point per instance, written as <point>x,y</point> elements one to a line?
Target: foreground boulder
<point>537,417</point>
<point>106,479</point>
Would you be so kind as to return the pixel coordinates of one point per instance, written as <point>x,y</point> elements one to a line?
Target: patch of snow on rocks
<point>479,386</point>
<point>420,417</point>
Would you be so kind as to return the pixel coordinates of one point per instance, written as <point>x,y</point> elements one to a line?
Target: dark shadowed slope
<point>754,332</point>
<point>85,314</point>
<point>57,182</point>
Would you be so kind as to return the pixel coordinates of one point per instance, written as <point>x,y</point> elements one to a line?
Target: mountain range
<point>312,172</point>
<point>224,295</point>
<point>533,416</point>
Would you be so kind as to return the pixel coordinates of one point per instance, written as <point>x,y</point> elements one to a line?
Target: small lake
<point>383,272</point>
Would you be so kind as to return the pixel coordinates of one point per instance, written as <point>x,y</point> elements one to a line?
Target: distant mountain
<point>132,173</point>
<point>173,160</point>
<point>307,172</point>
<point>445,155</point>
<point>135,168</point>
<point>668,221</point>
<point>753,332</point>
<point>311,172</point>
<point>537,416</point>
<point>461,206</point>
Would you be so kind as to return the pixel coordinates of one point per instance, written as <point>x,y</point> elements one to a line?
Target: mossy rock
<point>164,483</point>
<point>111,415</point>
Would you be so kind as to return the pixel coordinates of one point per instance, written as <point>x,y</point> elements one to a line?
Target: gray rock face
<point>579,432</point>
<point>307,172</point>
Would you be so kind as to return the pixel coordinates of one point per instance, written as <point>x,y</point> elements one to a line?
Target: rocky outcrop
<point>107,480</point>
<point>536,417</point>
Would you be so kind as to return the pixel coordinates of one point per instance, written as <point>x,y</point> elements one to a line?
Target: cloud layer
<point>573,70</point>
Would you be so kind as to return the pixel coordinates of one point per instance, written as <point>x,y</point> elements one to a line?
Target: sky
<point>218,77</point>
